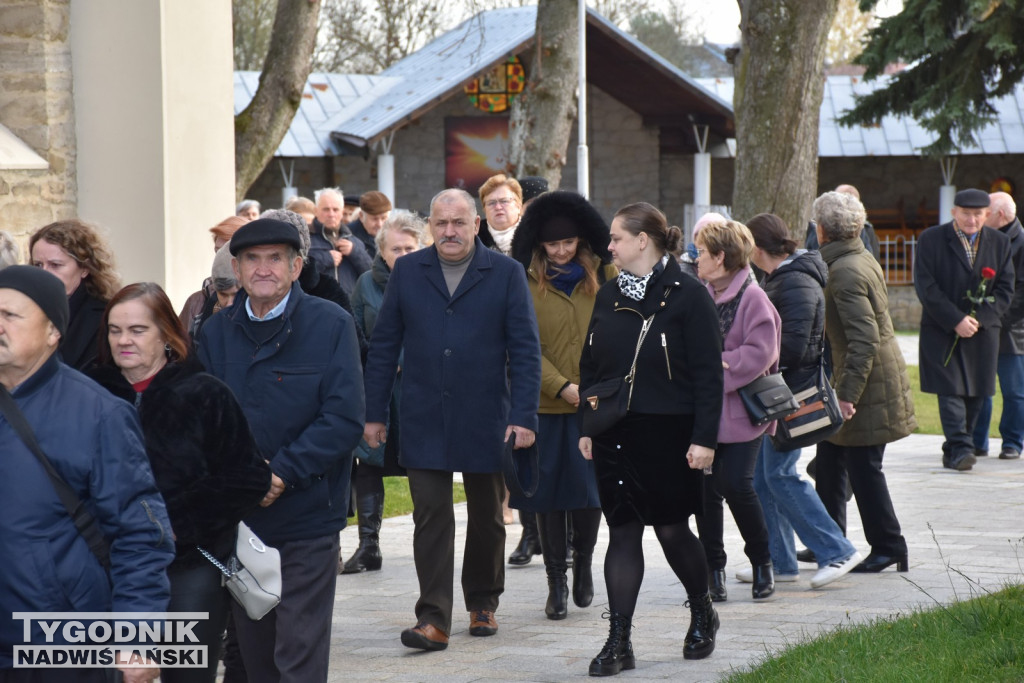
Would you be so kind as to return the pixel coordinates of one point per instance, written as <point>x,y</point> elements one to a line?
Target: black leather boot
<point>764,581</point>
<point>716,585</point>
<point>617,653</point>
<point>558,594</point>
<point>529,542</point>
<point>582,579</point>
<point>700,638</point>
<point>367,557</point>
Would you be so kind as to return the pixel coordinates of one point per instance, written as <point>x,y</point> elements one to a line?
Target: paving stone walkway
<point>969,521</point>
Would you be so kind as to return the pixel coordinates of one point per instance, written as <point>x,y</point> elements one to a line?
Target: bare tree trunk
<point>260,128</point>
<point>779,85</point>
<point>543,115</point>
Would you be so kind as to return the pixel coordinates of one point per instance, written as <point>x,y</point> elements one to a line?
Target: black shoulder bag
<point>80,515</point>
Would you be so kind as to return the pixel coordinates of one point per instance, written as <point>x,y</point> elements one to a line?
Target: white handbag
<point>252,574</point>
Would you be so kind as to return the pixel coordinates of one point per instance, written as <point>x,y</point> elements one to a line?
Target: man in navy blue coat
<point>94,442</point>
<point>470,379</point>
<point>293,362</point>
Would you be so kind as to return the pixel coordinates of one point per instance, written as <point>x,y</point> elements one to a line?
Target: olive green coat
<point>562,322</point>
<point>869,370</point>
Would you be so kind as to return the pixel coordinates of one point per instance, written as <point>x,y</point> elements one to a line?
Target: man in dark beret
<point>293,361</point>
<point>94,441</point>
<point>959,343</point>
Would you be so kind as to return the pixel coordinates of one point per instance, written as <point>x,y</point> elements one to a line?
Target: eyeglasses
<point>491,203</point>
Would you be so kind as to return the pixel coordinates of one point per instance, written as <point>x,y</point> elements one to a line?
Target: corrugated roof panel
<point>895,129</point>
<point>1014,135</point>
<point>901,148</point>
<point>1007,110</point>
<point>875,142</point>
<point>829,144</point>
<point>993,146</point>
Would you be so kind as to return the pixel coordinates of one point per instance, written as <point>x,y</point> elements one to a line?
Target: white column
<point>582,152</point>
<point>155,126</point>
<point>946,195</point>
<point>702,180</point>
<point>386,175</point>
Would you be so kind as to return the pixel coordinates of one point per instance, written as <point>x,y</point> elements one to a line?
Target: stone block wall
<point>36,105</point>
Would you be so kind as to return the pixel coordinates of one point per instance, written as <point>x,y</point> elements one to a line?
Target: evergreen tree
<point>963,54</point>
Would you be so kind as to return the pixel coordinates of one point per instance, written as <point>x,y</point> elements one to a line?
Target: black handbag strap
<point>80,515</point>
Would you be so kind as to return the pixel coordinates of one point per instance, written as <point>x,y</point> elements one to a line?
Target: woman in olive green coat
<point>871,383</point>
<point>563,243</point>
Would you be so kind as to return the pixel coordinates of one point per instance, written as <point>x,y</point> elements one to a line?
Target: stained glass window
<point>494,90</point>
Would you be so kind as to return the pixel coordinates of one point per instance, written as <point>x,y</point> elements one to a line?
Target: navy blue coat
<point>472,360</point>
<point>94,441</point>
<point>301,390</point>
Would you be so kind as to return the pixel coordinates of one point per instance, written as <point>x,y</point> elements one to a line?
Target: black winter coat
<point>796,289</point>
<point>79,348</point>
<point>942,278</point>
<point>327,288</point>
<point>203,456</point>
<point>352,266</point>
<point>679,369</point>
<point>1011,339</point>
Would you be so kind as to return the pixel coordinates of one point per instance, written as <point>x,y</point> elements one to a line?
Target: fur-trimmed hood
<point>560,204</point>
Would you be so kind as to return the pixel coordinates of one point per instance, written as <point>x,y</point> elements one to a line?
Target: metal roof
<point>328,100</point>
<point>896,136</point>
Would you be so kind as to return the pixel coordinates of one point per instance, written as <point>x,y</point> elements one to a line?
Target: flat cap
<point>45,289</point>
<point>971,199</point>
<point>264,231</point>
<point>374,203</point>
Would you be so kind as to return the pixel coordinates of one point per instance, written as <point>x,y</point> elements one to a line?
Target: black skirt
<point>642,472</point>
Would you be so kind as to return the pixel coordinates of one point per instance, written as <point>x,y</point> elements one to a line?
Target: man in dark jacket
<point>374,209</point>
<point>1010,367</point>
<point>335,251</point>
<point>293,362</point>
<point>94,441</point>
<point>959,342</point>
<point>470,379</point>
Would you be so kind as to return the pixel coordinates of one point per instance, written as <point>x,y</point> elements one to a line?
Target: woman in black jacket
<point>74,251</point>
<point>795,282</point>
<point>649,464</point>
<point>204,459</point>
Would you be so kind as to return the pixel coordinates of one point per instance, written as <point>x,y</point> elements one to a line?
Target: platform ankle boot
<point>367,557</point>
<point>529,542</point>
<point>716,585</point>
<point>700,637</point>
<point>617,653</point>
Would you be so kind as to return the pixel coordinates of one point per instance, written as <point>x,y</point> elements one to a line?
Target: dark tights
<point>624,562</point>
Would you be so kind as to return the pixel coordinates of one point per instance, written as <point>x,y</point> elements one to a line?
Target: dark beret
<point>264,231</point>
<point>971,199</point>
<point>45,289</point>
<point>351,201</point>
<point>533,187</point>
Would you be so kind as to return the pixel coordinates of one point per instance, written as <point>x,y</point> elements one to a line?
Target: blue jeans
<point>791,504</point>
<point>1010,370</point>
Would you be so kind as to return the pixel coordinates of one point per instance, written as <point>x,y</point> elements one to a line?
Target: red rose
<point>987,273</point>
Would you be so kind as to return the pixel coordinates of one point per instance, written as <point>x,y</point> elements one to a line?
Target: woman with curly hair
<point>74,251</point>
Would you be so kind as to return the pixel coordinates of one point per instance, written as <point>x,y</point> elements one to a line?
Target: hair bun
<point>673,238</point>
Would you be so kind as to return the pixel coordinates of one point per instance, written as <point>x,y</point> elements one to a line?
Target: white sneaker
<point>836,570</point>
<point>746,575</point>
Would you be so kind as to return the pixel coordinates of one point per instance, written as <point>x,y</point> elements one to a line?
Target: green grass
<point>926,407</point>
<point>398,501</point>
<point>972,640</point>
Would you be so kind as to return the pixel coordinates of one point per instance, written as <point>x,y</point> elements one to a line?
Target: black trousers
<point>198,589</point>
<point>863,465</point>
<point>732,479</point>
<point>292,644</point>
<point>433,545</point>
<point>959,416</point>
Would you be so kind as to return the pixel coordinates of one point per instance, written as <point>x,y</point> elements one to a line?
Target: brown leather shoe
<point>482,623</point>
<point>424,636</point>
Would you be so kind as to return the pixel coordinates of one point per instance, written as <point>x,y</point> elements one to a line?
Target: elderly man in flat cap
<point>293,362</point>
<point>955,263</point>
<point>94,443</point>
<point>374,209</point>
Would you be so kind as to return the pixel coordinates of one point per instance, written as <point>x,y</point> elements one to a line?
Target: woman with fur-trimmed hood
<point>562,241</point>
